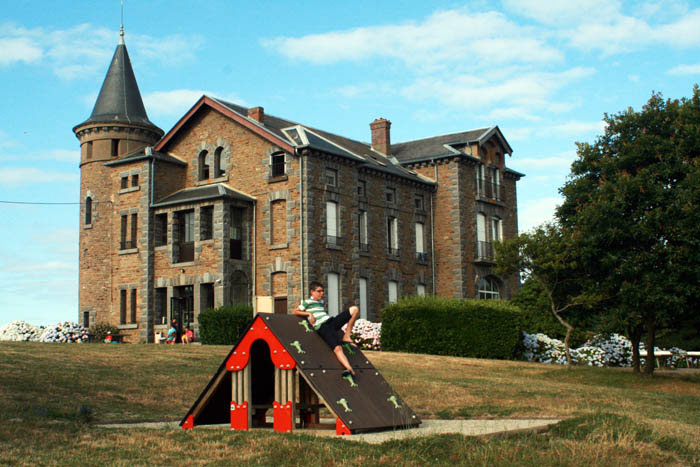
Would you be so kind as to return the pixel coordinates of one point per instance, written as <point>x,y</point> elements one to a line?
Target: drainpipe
<point>432,228</point>
<point>301,223</point>
<point>255,259</point>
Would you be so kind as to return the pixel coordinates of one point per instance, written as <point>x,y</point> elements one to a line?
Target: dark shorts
<point>329,329</point>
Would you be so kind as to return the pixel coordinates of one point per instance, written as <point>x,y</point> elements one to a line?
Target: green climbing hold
<point>306,326</point>
<point>344,403</point>
<point>297,346</point>
<point>393,400</point>
<point>348,377</point>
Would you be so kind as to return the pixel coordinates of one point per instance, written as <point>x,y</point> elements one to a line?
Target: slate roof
<point>141,154</point>
<point>202,193</point>
<point>120,100</point>
<point>329,143</point>
<point>430,148</point>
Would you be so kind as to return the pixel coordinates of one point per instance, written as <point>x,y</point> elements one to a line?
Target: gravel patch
<point>427,428</point>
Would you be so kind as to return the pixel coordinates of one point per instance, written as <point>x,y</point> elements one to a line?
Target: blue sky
<point>545,72</point>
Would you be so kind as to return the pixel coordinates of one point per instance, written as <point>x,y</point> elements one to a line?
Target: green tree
<point>632,203</point>
<point>547,256</point>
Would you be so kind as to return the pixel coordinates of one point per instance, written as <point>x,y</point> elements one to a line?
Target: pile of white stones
<point>59,332</point>
<point>20,331</point>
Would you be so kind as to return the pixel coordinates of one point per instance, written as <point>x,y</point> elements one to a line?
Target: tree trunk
<point>651,338</point>
<point>566,344</point>
<point>635,335</point>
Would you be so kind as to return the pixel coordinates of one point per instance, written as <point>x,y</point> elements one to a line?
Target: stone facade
<point>232,205</point>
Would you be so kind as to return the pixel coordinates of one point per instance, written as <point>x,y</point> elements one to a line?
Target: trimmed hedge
<point>224,325</point>
<point>457,327</point>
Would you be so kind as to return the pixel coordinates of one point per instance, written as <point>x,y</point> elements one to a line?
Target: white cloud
<point>532,90</point>
<point>18,49</point>
<point>536,212</point>
<point>60,155</point>
<point>45,266</point>
<point>556,13</point>
<point>445,37</point>
<point>556,164</point>
<point>178,101</point>
<point>83,50</point>
<point>685,70</point>
<point>17,176</point>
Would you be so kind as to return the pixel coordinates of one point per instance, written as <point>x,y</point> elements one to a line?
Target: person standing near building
<point>328,326</point>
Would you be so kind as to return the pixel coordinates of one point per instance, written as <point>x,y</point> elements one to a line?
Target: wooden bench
<point>661,356</point>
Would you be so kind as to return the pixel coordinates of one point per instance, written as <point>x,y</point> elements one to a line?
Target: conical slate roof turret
<point>119,100</point>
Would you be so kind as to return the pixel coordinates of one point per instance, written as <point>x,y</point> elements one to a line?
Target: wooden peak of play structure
<point>282,364</point>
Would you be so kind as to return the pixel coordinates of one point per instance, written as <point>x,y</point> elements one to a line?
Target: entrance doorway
<point>182,307</point>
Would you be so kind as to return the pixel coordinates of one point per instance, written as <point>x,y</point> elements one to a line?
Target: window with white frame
<point>331,177</point>
<point>483,247</point>
<point>487,288</point>
<point>420,250</point>
<point>496,229</point>
<point>333,294</point>
<point>420,290</point>
<point>392,235</point>
<point>277,168</point>
<point>332,233</point>
<point>393,291</point>
<point>364,239</point>
<point>363,298</point>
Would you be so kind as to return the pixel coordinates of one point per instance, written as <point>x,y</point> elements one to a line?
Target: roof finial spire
<point>121,29</point>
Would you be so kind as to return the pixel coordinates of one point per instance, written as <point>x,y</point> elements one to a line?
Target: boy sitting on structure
<point>327,326</point>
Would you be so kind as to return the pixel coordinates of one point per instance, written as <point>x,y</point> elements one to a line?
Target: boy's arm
<point>300,312</point>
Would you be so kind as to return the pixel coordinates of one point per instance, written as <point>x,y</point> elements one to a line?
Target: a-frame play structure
<point>280,363</point>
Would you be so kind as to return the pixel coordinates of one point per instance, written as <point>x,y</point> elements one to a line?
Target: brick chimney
<point>381,139</point>
<point>257,113</point>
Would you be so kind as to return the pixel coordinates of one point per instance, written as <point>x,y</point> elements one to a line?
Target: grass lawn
<point>52,395</point>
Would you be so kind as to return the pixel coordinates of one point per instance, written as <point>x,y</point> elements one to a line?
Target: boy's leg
<point>340,355</point>
<point>354,313</point>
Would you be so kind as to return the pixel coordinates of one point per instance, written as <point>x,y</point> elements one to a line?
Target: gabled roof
<point>277,131</point>
<point>203,193</point>
<point>120,100</point>
<point>249,123</point>
<point>440,146</point>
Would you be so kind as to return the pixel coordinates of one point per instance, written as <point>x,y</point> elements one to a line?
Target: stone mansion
<point>233,205</point>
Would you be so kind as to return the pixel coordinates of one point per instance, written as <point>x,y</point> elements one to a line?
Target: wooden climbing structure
<point>280,363</point>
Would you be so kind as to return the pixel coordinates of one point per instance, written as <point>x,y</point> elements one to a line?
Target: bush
<point>224,325</point>
<point>98,331</point>
<point>444,326</point>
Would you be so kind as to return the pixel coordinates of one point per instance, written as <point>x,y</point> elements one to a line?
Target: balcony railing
<point>127,244</point>
<point>236,249</point>
<point>421,257</point>
<point>334,241</point>
<point>186,252</point>
<point>393,252</point>
<point>490,190</point>
<point>364,247</point>
<point>484,251</point>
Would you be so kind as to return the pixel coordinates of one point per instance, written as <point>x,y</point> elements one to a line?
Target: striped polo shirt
<point>315,308</point>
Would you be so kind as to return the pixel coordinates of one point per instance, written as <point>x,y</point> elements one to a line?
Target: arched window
<point>218,163</point>
<point>203,166</point>
<point>487,288</point>
<point>88,210</point>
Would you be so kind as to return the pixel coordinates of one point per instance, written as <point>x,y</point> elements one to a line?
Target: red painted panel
<point>239,416</point>
<point>189,423</point>
<point>340,428</point>
<point>282,417</point>
<point>258,330</point>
